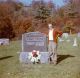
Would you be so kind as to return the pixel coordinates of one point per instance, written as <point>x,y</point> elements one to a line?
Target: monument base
<point>23,58</point>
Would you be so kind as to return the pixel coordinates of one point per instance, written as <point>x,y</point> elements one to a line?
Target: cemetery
<point>39,38</point>
<point>37,41</point>
<point>67,67</point>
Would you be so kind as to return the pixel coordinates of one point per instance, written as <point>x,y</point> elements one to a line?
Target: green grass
<point>68,63</point>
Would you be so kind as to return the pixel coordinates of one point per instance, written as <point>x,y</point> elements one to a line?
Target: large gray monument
<point>34,41</point>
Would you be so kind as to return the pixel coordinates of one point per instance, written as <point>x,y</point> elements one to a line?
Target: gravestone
<point>34,41</point>
<point>65,35</point>
<point>4,41</point>
<point>60,39</point>
<point>75,42</point>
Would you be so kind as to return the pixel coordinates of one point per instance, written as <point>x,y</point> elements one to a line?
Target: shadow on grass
<point>6,57</point>
<point>63,57</point>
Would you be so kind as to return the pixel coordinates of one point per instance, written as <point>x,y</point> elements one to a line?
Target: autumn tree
<point>41,11</point>
<point>7,10</point>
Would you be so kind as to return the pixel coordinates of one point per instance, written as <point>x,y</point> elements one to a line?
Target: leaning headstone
<point>34,41</point>
<point>4,41</point>
<point>75,42</point>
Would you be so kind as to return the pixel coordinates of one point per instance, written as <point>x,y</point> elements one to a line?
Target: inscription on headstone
<point>34,41</point>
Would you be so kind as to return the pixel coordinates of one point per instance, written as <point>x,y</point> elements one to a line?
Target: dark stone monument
<point>34,41</point>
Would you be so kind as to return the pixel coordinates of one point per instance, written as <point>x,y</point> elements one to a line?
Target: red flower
<point>34,53</point>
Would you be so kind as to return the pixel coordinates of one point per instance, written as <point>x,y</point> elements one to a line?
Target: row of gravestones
<point>66,37</point>
<point>37,41</point>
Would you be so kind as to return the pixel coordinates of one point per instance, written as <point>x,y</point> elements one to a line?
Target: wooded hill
<point>17,18</point>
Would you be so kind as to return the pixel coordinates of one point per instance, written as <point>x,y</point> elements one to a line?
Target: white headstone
<point>4,41</point>
<point>75,42</point>
<point>61,40</point>
<point>65,35</point>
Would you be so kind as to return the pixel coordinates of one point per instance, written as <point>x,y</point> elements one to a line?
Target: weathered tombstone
<point>75,42</point>
<point>65,35</point>
<point>34,41</point>
<point>4,41</point>
<point>61,40</point>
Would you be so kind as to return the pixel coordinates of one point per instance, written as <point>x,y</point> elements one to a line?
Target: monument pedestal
<point>44,57</point>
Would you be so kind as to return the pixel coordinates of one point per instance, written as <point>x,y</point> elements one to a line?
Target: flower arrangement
<point>34,56</point>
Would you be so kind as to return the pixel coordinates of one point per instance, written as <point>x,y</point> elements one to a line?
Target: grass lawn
<point>68,63</point>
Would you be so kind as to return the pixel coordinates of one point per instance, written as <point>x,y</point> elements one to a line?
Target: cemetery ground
<point>68,63</point>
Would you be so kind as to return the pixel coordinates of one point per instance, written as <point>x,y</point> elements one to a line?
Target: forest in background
<point>17,18</point>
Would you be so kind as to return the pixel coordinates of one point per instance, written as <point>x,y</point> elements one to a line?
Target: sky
<point>57,2</point>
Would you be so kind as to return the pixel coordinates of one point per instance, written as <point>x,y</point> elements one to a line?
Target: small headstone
<point>61,40</point>
<point>4,41</point>
<point>75,42</point>
<point>65,35</point>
